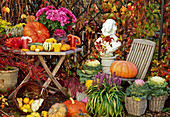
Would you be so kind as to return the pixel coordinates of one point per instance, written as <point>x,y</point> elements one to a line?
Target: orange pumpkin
<point>124,69</point>
<point>81,114</point>
<point>37,31</point>
<point>73,107</point>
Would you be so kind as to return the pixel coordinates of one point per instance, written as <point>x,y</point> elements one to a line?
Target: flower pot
<point>157,104</point>
<point>106,63</point>
<point>8,79</point>
<point>136,108</point>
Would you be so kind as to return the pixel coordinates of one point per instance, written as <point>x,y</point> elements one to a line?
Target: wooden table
<point>51,75</point>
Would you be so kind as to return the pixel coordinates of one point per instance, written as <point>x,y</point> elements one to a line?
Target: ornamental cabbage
<point>158,86</point>
<point>157,80</point>
<point>139,89</point>
<point>92,63</point>
<point>139,82</point>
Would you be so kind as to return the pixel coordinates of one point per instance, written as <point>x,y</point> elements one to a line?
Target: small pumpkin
<point>73,107</point>
<point>57,110</point>
<point>65,47</point>
<point>36,31</point>
<point>124,69</point>
<point>81,114</point>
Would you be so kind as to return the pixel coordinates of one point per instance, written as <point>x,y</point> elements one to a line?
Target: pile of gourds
<point>48,46</point>
<point>41,40</point>
<point>69,108</point>
<point>28,106</point>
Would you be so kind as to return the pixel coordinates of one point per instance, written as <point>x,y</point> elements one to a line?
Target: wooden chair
<point>140,54</point>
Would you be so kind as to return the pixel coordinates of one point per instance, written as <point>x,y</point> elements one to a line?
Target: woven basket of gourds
<point>30,90</point>
<point>157,104</point>
<point>136,108</point>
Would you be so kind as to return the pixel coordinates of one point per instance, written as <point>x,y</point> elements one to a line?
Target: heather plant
<point>53,18</point>
<point>73,85</point>
<point>105,96</point>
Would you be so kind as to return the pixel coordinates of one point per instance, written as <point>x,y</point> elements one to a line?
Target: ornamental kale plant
<point>138,90</point>
<point>53,18</point>
<point>105,96</point>
<point>158,86</point>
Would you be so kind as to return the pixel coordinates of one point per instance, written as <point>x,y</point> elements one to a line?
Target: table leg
<point>26,79</point>
<point>51,75</point>
<point>55,70</point>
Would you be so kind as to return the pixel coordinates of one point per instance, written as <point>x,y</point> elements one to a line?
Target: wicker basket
<point>136,108</point>
<point>8,80</point>
<point>32,90</point>
<point>157,104</point>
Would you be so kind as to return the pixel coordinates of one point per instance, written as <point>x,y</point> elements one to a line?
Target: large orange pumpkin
<point>124,69</point>
<point>73,107</point>
<point>37,31</point>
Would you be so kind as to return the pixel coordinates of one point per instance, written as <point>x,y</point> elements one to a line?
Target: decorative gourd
<point>124,69</point>
<point>56,47</point>
<point>74,40</point>
<point>81,114</point>
<point>40,48</point>
<point>57,110</point>
<point>36,31</point>
<point>47,46</point>
<point>73,107</point>
<point>51,40</point>
<point>65,47</point>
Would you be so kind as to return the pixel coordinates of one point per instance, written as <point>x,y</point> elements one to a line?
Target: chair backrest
<point>140,54</point>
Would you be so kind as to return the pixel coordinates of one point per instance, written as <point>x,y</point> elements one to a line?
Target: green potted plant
<point>159,92</point>
<point>136,98</point>
<point>88,70</point>
<point>105,96</point>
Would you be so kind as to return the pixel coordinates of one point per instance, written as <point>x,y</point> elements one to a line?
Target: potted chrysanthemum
<point>136,98</point>
<point>53,19</point>
<point>158,90</point>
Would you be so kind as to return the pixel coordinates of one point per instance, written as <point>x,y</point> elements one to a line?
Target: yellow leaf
<point>152,33</point>
<point>88,28</point>
<point>7,9</point>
